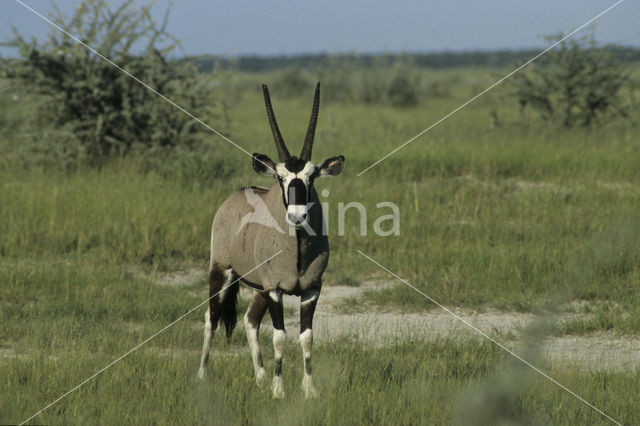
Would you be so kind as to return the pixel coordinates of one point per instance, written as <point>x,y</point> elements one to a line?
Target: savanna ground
<point>503,217</point>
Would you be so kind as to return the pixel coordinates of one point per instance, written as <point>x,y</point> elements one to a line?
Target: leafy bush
<point>96,105</point>
<point>574,84</point>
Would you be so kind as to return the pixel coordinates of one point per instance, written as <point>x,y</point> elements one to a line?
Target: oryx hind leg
<point>252,320</point>
<point>308,303</point>
<point>219,280</point>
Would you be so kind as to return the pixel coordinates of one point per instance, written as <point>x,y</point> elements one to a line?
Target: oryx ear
<point>263,164</point>
<point>331,166</point>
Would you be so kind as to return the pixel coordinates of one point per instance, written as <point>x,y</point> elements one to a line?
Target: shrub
<point>103,109</point>
<point>574,84</point>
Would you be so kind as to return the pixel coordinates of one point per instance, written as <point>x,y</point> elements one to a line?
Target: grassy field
<point>508,214</point>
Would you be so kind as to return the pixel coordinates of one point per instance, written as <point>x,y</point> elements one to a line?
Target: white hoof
<point>261,376</point>
<point>277,387</point>
<point>202,373</point>
<point>308,388</point>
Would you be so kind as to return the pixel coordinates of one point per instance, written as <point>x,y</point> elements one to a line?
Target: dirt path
<point>601,352</point>
<point>380,326</point>
<point>375,327</point>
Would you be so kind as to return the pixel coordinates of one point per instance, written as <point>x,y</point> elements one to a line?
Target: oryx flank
<point>254,224</point>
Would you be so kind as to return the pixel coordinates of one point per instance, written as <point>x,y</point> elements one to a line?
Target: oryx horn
<point>311,131</point>
<point>283,152</point>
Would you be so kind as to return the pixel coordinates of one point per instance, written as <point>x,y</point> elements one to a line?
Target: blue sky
<point>289,27</point>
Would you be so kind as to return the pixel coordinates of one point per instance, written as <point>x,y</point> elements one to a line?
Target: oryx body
<point>251,226</point>
<point>241,245</point>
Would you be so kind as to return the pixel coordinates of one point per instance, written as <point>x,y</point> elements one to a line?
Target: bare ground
<point>599,352</point>
<point>374,327</point>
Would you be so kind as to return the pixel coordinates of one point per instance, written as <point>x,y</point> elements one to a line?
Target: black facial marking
<point>294,164</point>
<point>284,200</point>
<point>297,192</point>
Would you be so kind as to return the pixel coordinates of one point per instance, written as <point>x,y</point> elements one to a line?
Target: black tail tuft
<point>228,309</point>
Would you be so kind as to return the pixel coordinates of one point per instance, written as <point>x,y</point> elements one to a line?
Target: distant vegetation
<point>433,60</point>
<point>573,84</point>
<point>386,82</point>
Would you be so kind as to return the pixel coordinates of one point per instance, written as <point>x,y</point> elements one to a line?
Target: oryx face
<point>296,175</point>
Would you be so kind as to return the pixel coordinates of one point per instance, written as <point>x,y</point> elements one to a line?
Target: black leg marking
<point>276,309</point>
<point>307,309</point>
<point>257,309</point>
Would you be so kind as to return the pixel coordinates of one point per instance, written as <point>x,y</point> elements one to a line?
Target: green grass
<point>404,383</point>
<point>517,217</point>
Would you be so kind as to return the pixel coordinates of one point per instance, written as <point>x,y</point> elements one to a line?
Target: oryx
<point>255,223</point>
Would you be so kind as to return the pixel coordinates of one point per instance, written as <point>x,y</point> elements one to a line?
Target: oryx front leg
<point>274,301</point>
<point>252,319</point>
<point>307,308</point>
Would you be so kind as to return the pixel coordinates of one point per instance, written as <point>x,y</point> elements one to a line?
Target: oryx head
<point>295,175</point>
